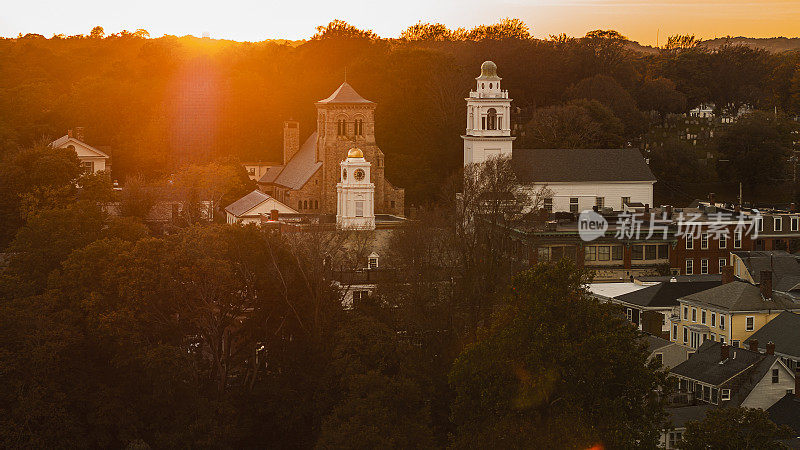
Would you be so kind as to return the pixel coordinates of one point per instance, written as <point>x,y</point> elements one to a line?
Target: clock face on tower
<point>358,175</point>
<point>344,174</point>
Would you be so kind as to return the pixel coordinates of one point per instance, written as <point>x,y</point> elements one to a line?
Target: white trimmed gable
<point>92,159</point>
<point>766,393</point>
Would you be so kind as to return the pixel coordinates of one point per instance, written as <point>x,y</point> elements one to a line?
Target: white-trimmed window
<point>685,313</point>
<point>685,335</point>
<point>548,204</point>
<point>599,202</point>
<point>689,266</point>
<point>723,240</point>
<point>704,266</point>
<point>629,314</point>
<point>689,243</point>
<point>777,223</point>
<point>759,224</point>
<point>722,263</point>
<point>573,204</point>
<point>737,239</point>
<point>749,323</point>
<point>776,374</point>
<point>725,394</point>
<point>694,314</point>
<point>372,262</point>
<point>721,322</point>
<point>674,332</point>
<point>713,319</point>
<point>703,316</point>
<point>625,201</point>
<point>704,241</point>
<point>794,221</point>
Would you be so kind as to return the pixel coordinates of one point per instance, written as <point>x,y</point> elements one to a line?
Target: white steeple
<point>355,207</point>
<point>488,132</point>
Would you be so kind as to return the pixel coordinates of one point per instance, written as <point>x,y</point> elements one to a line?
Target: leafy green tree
<point>756,146</point>
<point>97,187</point>
<point>609,92</point>
<point>505,29</point>
<point>578,124</point>
<point>661,96</point>
<point>47,239</point>
<point>339,29</point>
<point>382,404</point>
<point>676,160</point>
<point>558,369</point>
<point>734,428</point>
<point>33,179</point>
<point>137,198</point>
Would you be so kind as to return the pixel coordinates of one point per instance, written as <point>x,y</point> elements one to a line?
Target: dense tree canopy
<point>558,369</point>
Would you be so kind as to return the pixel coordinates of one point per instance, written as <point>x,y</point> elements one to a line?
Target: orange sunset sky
<point>255,20</point>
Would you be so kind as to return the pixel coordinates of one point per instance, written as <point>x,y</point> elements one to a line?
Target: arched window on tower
<point>359,127</point>
<point>341,127</point>
<point>491,119</point>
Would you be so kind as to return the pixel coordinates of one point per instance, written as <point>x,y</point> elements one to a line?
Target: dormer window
<point>372,261</point>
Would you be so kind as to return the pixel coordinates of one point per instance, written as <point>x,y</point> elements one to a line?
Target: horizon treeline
<point>155,104</point>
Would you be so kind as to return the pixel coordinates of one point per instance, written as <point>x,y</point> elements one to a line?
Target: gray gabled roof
<point>682,415</point>
<point>548,165</point>
<point>246,203</point>
<point>298,170</point>
<point>786,411</point>
<point>654,342</point>
<point>742,296</point>
<point>783,331</point>
<point>704,365</point>
<point>345,94</point>
<point>666,293</point>
<point>785,267</point>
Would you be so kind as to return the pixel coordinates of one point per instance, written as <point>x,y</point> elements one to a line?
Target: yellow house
<point>728,313</point>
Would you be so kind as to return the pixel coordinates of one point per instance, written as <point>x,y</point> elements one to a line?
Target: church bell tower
<point>355,206</point>
<point>488,132</point>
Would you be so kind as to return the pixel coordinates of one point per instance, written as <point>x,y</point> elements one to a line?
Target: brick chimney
<point>766,284</point>
<point>273,214</point>
<point>69,132</point>
<point>712,198</point>
<point>753,345</point>
<point>725,351</point>
<point>770,348</point>
<point>291,139</point>
<point>78,133</point>
<point>792,207</point>
<point>727,274</point>
<point>668,210</point>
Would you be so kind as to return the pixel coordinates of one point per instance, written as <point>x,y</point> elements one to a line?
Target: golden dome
<point>355,153</point>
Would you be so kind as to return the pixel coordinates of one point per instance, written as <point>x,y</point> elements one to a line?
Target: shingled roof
<point>298,170</point>
<point>784,266</point>
<point>705,365</point>
<point>742,296</point>
<point>547,165</point>
<point>666,294</point>
<point>783,331</point>
<point>246,203</point>
<point>345,94</point>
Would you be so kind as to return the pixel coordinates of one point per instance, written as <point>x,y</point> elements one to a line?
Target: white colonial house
<point>92,159</point>
<point>573,179</point>
<point>253,207</point>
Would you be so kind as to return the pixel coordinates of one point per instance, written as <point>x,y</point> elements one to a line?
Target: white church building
<point>575,179</point>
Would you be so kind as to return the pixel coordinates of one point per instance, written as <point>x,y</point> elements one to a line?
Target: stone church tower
<point>346,120</point>
<point>488,118</point>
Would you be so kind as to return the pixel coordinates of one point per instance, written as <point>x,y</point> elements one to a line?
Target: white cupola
<point>488,131</point>
<point>355,207</point>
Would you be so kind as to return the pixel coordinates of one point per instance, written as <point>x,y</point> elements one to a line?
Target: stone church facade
<point>307,178</point>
